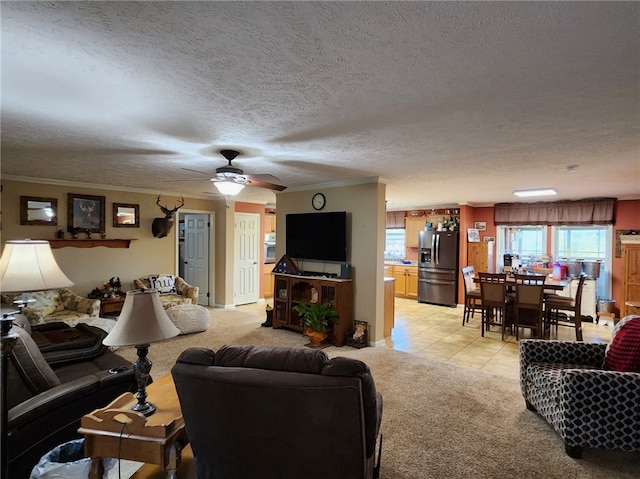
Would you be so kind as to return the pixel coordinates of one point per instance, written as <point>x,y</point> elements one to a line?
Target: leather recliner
<point>47,402</point>
<point>258,411</point>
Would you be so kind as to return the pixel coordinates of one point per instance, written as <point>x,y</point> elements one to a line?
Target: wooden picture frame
<point>85,213</point>
<point>126,215</point>
<point>480,225</point>
<point>473,236</point>
<point>38,211</point>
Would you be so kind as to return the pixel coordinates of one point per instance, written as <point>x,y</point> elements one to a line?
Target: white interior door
<point>246,258</point>
<point>196,254</point>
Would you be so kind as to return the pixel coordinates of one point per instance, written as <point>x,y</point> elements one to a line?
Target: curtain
<point>395,219</point>
<point>591,211</point>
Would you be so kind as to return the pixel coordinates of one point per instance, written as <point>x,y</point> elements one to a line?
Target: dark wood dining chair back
<point>472,299</point>
<point>529,305</point>
<point>495,302</point>
<point>556,303</point>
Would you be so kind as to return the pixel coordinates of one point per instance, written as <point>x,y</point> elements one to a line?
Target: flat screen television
<point>317,236</point>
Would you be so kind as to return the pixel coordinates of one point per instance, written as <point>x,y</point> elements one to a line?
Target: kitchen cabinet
<point>630,276</point>
<point>480,256</point>
<point>406,277</point>
<point>268,280</point>
<point>269,223</point>
<point>290,290</point>
<point>412,226</point>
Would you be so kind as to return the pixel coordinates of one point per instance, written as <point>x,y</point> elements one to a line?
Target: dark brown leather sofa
<point>265,412</point>
<point>47,401</point>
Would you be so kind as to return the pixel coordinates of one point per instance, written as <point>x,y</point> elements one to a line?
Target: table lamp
<point>25,266</point>
<point>142,321</point>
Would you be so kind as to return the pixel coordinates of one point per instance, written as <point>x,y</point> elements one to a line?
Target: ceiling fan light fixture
<point>536,192</point>
<point>229,188</point>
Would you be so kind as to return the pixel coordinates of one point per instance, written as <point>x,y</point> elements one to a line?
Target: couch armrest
<point>563,352</point>
<point>185,289</point>
<point>74,302</point>
<point>52,399</point>
<point>141,283</point>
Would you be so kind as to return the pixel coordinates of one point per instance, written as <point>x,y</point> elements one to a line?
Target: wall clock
<point>318,201</point>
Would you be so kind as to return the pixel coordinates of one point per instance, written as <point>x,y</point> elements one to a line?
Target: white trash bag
<point>67,461</point>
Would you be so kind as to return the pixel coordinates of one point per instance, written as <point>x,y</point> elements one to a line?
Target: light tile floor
<point>436,332</point>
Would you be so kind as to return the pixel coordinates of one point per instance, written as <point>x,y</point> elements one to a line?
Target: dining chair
<point>556,305</point>
<point>496,304</point>
<point>529,304</point>
<point>472,298</point>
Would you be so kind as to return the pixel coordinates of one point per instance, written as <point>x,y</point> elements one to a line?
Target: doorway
<point>194,263</point>
<point>246,238</point>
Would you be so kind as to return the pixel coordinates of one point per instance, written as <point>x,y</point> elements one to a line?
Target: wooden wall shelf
<point>90,243</point>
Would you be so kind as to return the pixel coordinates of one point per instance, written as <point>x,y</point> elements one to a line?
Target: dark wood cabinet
<point>290,290</point>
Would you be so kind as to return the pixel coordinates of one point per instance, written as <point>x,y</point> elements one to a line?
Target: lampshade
<point>29,265</point>
<point>142,321</point>
<point>229,188</point>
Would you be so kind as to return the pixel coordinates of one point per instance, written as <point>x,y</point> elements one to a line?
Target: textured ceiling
<point>446,102</point>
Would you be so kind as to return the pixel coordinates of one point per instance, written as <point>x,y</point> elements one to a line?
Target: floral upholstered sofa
<point>57,305</point>
<point>173,290</point>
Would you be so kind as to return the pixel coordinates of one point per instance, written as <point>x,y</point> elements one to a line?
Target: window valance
<point>395,219</point>
<point>591,211</point>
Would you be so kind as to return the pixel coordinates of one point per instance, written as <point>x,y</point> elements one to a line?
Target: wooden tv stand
<point>290,290</point>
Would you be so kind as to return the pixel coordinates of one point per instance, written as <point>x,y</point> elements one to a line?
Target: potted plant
<point>316,318</point>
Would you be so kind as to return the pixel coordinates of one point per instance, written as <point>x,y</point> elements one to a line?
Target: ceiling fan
<point>230,179</point>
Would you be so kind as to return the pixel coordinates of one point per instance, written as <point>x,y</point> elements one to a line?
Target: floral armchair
<point>173,289</point>
<point>581,391</point>
<point>57,305</point>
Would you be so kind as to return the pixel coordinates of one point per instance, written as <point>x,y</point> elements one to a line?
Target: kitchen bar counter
<point>389,305</point>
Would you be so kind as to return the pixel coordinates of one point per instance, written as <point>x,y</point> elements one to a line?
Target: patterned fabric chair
<point>173,289</point>
<point>57,305</point>
<point>587,405</point>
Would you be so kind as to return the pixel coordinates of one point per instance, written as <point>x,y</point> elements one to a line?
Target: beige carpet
<point>440,421</point>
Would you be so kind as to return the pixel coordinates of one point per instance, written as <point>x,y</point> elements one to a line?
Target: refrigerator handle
<point>433,248</point>
<point>437,249</point>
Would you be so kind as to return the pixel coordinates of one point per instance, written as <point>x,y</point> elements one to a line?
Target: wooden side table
<point>111,306</point>
<point>116,431</point>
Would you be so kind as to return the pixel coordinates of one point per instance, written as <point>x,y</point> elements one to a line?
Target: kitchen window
<point>584,242</point>
<point>394,244</point>
<point>525,241</point>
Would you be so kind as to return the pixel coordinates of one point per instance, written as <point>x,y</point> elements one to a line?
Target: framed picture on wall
<point>473,236</point>
<point>85,213</point>
<point>480,225</point>
<point>488,239</point>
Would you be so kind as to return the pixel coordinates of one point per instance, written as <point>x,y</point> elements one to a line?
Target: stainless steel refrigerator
<point>438,267</point>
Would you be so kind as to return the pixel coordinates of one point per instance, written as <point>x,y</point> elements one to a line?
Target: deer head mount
<point>161,226</point>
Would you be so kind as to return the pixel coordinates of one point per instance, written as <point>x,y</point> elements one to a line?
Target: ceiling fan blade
<point>251,181</point>
<point>263,177</point>
<point>188,179</point>
<point>196,171</point>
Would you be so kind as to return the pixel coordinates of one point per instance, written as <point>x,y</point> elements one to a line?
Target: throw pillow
<point>163,283</point>
<point>189,318</point>
<point>623,352</point>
